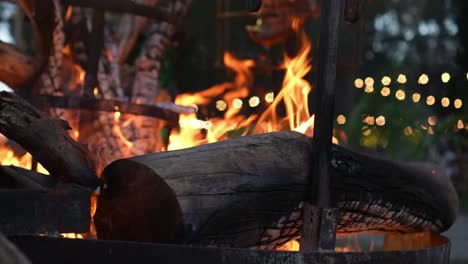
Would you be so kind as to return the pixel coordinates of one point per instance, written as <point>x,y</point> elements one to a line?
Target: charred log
<point>246,192</point>
<point>16,68</point>
<point>47,140</point>
<point>33,203</point>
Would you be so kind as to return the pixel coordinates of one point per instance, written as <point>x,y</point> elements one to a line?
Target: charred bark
<point>47,140</point>
<point>246,192</point>
<point>33,203</point>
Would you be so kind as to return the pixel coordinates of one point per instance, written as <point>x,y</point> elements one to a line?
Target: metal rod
<point>319,228</point>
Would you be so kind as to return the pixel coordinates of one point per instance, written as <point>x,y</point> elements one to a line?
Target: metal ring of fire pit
<point>54,250</point>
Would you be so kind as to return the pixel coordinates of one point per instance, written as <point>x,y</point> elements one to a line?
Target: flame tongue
<point>293,96</point>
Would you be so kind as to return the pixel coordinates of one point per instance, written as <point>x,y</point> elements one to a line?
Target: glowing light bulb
<point>408,131</point>
<point>432,120</point>
<point>445,102</point>
<point>400,95</point>
<point>237,103</point>
<point>458,103</point>
<point>445,77</point>
<point>369,89</point>
<point>221,105</point>
<point>369,81</point>
<point>370,120</point>
<point>341,119</point>
<point>460,124</point>
<point>386,80</point>
<point>385,91</point>
<point>270,97</point>
<point>416,97</point>
<point>430,100</point>
<point>380,120</point>
<point>254,101</point>
<point>423,79</point>
<point>359,83</point>
<point>401,78</point>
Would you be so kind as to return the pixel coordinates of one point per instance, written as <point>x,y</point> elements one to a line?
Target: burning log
<point>47,140</point>
<point>246,192</point>
<point>33,203</point>
<point>16,68</point>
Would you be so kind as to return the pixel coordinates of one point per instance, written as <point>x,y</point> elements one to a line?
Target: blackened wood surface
<point>245,192</point>
<point>61,210</point>
<point>47,140</point>
<point>34,203</point>
<point>40,250</point>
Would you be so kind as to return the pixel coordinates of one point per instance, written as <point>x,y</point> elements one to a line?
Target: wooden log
<point>10,254</point>
<point>47,140</point>
<point>246,192</point>
<point>16,68</point>
<point>33,203</point>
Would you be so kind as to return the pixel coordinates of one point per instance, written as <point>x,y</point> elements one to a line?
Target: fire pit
<point>238,200</point>
<point>53,250</point>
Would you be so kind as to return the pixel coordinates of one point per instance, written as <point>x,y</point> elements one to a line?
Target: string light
<point>385,91</point>
<point>221,105</point>
<point>237,103</point>
<point>432,120</point>
<point>430,131</point>
<point>416,97</point>
<point>460,124</point>
<point>458,103</point>
<point>370,120</point>
<point>401,78</point>
<point>341,119</point>
<point>445,102</point>
<point>254,101</point>
<point>366,131</point>
<point>423,79</point>
<point>408,131</point>
<point>400,95</point>
<point>369,81</point>
<point>270,97</point>
<point>445,77</point>
<point>369,89</point>
<point>430,100</point>
<point>386,80</point>
<point>95,91</point>
<point>359,83</point>
<point>380,120</point>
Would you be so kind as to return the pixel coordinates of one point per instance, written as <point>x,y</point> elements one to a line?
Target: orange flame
<point>293,95</point>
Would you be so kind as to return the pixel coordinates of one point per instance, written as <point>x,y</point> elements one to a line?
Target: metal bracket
<point>319,234</point>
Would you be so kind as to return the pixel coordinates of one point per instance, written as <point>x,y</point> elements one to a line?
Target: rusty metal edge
<point>54,250</point>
